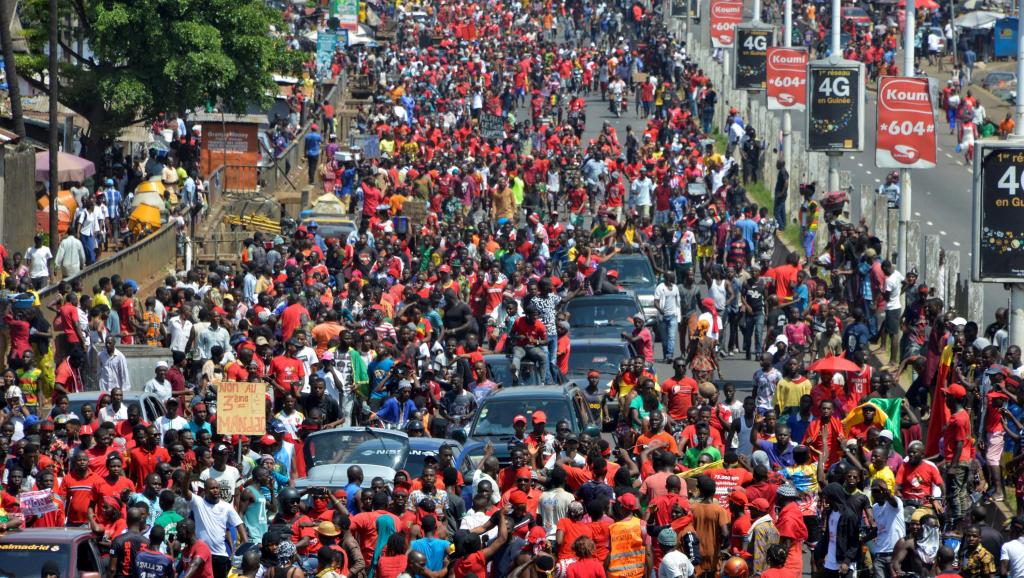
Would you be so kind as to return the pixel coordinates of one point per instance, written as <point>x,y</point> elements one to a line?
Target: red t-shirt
<point>680,396</point>
<point>291,318</point>
<point>571,530</point>
<point>526,331</point>
<point>68,315</point>
<point>78,495</point>
<point>586,568</point>
<point>475,563</point>
<point>727,480</point>
<point>105,488</point>
<point>98,459</point>
<point>200,550</point>
<point>142,462</point>
<point>958,428</point>
<point>645,346</point>
<point>917,482</point>
<point>287,370</point>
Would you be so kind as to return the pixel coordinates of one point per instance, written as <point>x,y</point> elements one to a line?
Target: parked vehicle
<point>23,552</point>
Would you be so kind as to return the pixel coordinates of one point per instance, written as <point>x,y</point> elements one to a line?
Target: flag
<point>887,417</point>
<point>939,413</point>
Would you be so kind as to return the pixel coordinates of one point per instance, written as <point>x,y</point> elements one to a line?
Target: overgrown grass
<point>764,197</point>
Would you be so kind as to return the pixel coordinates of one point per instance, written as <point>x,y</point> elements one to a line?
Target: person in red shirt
<point>143,459</point>
<point>56,518</point>
<point>114,484</point>
<point>67,316</point>
<point>287,372</point>
<point>792,530</point>
<point>196,558</point>
<point>101,451</point>
<point>530,340</point>
<point>679,391</point>
<point>77,490</point>
<point>641,339</point>
<point>68,379</point>
<point>364,524</point>
<point>587,565</point>
<point>476,558</point>
<point>958,450</point>
<point>295,315</point>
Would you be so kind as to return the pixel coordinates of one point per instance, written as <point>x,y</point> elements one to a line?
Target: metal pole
<point>1017,289</point>
<point>902,249</point>
<point>757,10</point>
<point>787,116</point>
<point>54,183</point>
<point>833,159</point>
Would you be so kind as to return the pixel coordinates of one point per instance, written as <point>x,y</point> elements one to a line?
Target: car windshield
<point>632,272</point>
<point>363,447</point>
<point>597,313</point>
<point>603,359</point>
<point>19,560</point>
<point>495,415</point>
<point>501,372</point>
<point>414,461</point>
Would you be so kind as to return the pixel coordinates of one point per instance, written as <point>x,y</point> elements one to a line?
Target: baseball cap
<point>958,322</point>
<point>268,440</point>
<point>760,504</point>
<point>519,418</point>
<point>738,497</point>
<point>956,390</point>
<point>85,430</point>
<point>613,273</point>
<point>628,502</point>
<point>593,373</point>
<point>540,417</point>
<point>886,434</point>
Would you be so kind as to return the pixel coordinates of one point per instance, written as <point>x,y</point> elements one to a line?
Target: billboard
<point>786,71</point>
<point>998,210</point>
<point>905,131</point>
<point>725,15</point>
<point>835,106</point>
<point>750,69</point>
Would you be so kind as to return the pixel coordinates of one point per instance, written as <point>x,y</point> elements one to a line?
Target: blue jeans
<point>89,244</point>
<point>552,359</point>
<point>780,213</point>
<point>870,317</point>
<point>669,334</point>
<point>808,244</point>
<point>754,328</point>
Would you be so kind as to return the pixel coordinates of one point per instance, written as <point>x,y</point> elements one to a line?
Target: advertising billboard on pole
<point>905,135</point>
<point>998,210</point>
<point>786,84</point>
<point>725,15</point>
<point>835,106</point>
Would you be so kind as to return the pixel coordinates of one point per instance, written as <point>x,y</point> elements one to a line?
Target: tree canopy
<point>150,56</point>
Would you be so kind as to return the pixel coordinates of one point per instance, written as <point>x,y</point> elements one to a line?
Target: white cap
<point>959,322</point>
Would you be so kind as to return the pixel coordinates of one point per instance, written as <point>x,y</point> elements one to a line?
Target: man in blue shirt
<point>312,146</point>
<point>397,410</point>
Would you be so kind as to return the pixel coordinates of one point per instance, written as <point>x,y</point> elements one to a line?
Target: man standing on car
<point>667,302</point>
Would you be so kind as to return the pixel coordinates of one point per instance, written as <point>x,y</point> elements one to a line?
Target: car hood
<point>336,475</point>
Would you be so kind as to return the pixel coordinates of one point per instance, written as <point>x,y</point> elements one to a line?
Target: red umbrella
<point>921,4</point>
<point>832,364</point>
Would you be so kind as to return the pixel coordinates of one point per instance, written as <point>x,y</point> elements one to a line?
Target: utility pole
<point>833,158</point>
<point>757,11</point>
<point>13,90</point>
<point>787,116</point>
<point>1017,289</point>
<point>902,250</point>
<point>54,183</point>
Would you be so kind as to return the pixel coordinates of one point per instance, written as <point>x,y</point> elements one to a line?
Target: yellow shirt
<point>885,474</point>
<point>788,394</point>
<point>100,299</point>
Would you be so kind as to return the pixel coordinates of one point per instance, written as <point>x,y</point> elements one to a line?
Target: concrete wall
<point>17,198</point>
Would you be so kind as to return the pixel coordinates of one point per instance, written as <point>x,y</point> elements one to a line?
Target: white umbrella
<point>980,19</point>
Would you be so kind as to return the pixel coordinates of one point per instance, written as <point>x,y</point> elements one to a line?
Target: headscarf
<point>385,529</point>
<point>702,328</point>
<point>709,304</point>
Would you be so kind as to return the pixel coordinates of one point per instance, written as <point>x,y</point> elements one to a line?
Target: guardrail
<point>140,261</point>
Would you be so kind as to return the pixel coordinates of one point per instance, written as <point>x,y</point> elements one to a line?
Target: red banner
<point>725,15</point>
<point>787,78</point>
<point>905,136</point>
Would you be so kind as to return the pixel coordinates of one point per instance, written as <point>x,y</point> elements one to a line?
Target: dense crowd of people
<point>882,468</point>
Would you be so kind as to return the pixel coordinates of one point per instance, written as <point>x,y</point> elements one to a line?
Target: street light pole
<point>787,116</point>
<point>1017,289</point>
<point>833,158</point>
<point>53,74</point>
<point>902,249</point>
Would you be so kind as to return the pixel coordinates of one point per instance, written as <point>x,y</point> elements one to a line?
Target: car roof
<point>621,295</point>
<point>48,535</point>
<point>433,444</point>
<point>522,391</point>
<point>378,430</point>
<point>600,341</point>
<point>92,396</point>
<point>627,257</point>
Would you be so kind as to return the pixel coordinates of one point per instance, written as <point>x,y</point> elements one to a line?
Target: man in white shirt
<point>38,257</point>
<point>70,256</point>
<point>174,421</point>
<point>113,368</point>
<point>893,308</point>
<point>888,513</point>
<point>666,301</point>
<point>642,191</point>
<point>89,224</point>
<point>226,475</point>
<point>675,564</point>
<point>1011,556</point>
<point>214,519</point>
<point>181,330</point>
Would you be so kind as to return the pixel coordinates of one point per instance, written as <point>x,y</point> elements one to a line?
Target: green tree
<point>153,56</point>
